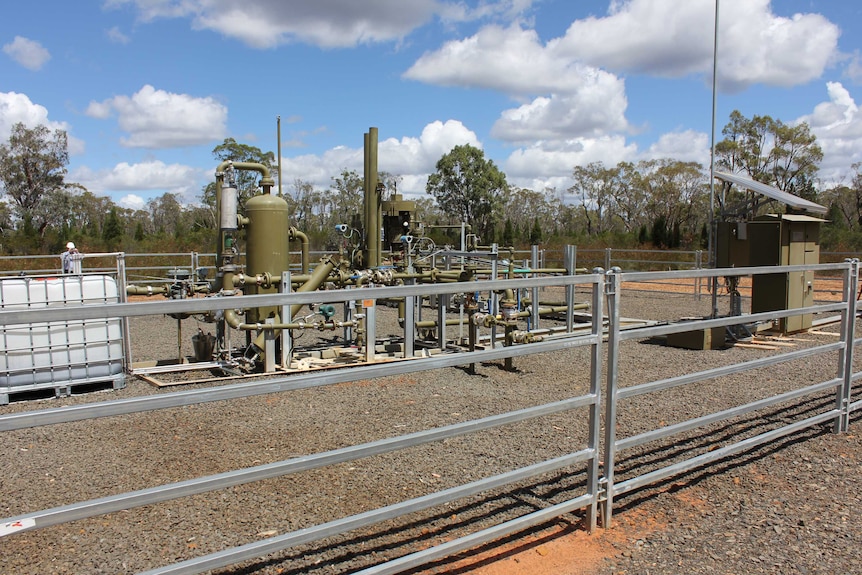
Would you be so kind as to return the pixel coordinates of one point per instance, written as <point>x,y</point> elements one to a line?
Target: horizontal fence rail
<point>838,387</point>
<point>586,458</point>
<point>599,459</point>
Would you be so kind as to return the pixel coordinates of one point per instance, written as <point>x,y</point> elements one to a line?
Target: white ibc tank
<point>59,354</point>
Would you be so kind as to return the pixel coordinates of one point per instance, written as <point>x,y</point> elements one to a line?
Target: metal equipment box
<point>784,240</point>
<point>732,245</point>
<point>698,339</point>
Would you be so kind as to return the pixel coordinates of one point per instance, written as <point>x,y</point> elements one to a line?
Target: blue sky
<point>147,88</point>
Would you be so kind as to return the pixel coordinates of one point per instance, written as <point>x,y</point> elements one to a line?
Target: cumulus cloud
<point>413,158</point>
<point>549,164</point>
<point>153,176</point>
<point>658,37</point>
<point>570,99</point>
<point>331,24</point>
<point>15,108</point>
<point>132,202</point>
<point>158,119</point>
<point>593,111</point>
<point>838,127</point>
<point>671,38</point>
<point>271,23</point>
<point>512,60</point>
<point>29,53</point>
<point>685,146</point>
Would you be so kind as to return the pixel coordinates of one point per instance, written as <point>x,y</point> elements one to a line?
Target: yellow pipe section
<point>294,235</point>
<point>321,272</point>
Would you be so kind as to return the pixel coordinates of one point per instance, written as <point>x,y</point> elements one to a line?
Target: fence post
<point>124,322</point>
<point>607,258</point>
<point>848,330</point>
<point>595,417</point>
<point>534,292</point>
<point>569,264</point>
<point>612,292</point>
<point>698,265</point>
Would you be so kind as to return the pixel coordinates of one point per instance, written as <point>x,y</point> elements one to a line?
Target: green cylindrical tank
<point>267,247</point>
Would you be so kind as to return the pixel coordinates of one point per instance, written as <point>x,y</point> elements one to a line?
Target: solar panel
<point>772,192</point>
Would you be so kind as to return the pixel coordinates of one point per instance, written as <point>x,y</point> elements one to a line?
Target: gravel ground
<point>787,507</point>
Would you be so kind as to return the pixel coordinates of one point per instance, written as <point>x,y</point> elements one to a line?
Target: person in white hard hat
<point>67,260</point>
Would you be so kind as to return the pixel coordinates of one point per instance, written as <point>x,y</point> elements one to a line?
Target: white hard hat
<point>70,246</point>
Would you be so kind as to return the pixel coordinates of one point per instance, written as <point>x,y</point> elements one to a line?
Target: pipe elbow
<point>232,318</point>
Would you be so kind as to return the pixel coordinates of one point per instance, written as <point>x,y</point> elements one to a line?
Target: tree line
<point>662,203</point>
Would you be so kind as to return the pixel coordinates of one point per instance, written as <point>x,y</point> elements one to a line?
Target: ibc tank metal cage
<point>61,355</point>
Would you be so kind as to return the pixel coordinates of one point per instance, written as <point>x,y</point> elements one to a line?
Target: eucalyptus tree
<point>246,180</point>
<point>770,151</point>
<point>676,195</point>
<point>595,190</point>
<point>468,188</point>
<point>32,164</point>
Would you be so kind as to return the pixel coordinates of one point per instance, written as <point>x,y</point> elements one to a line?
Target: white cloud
<point>657,37</point>
<point>511,60</point>
<point>412,158</point>
<point>29,53</point>
<point>271,23</point>
<point>133,202</point>
<point>550,164</point>
<point>672,38</point>
<point>590,112</point>
<point>581,100</point>
<point>331,24</point>
<point>15,108</point>
<point>838,127</point>
<point>685,146</point>
<point>158,119</point>
<point>420,155</point>
<point>153,176</point>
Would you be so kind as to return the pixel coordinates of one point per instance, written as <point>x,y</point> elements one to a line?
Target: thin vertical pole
<point>595,416</point>
<point>612,289</point>
<point>845,361</point>
<point>713,251</point>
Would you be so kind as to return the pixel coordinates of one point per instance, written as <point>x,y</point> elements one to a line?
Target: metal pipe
<point>145,290</point>
<point>294,235</point>
<point>317,279</point>
<point>280,192</point>
<point>321,272</point>
<point>489,319</point>
<point>235,322</point>
<point>372,201</point>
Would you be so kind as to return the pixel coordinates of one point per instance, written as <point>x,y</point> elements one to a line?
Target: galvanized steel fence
<point>598,458</point>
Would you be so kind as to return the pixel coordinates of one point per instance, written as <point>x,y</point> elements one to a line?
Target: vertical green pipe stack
<point>372,202</point>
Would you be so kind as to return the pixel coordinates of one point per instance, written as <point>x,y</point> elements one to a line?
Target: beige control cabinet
<point>784,240</point>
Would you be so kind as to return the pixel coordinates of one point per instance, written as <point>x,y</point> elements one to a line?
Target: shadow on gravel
<point>637,497</point>
<point>371,546</point>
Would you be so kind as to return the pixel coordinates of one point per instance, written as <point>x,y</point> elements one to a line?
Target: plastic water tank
<point>59,354</point>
